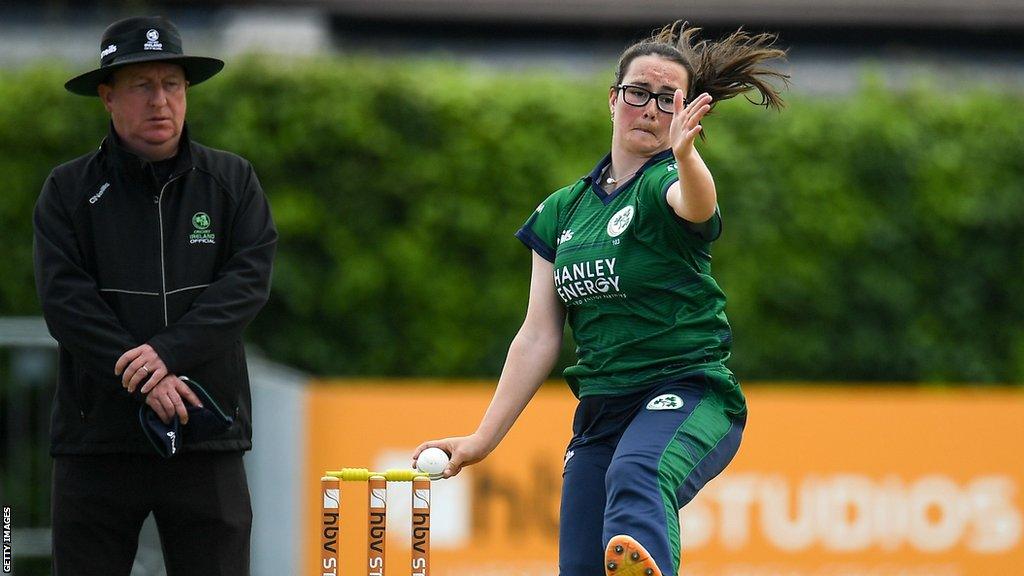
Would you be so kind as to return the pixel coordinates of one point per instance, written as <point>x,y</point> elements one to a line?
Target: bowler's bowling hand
<point>464,451</point>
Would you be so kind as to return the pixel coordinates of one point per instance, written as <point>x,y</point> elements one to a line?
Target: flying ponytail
<point>724,68</point>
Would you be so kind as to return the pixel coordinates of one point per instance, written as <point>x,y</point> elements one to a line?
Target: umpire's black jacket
<point>123,257</point>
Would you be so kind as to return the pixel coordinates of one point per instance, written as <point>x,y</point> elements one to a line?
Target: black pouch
<point>203,423</point>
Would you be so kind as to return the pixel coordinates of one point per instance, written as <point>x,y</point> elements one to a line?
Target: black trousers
<point>200,502</point>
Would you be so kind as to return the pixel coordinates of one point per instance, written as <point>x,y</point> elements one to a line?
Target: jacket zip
<point>160,217</point>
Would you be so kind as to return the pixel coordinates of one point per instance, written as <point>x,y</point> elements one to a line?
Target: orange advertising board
<point>828,482</point>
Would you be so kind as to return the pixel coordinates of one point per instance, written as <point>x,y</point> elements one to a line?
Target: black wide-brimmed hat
<point>142,39</point>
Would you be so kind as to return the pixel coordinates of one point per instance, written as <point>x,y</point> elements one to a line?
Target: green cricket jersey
<point>636,283</point>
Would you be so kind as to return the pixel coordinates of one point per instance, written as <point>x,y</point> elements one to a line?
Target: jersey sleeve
<point>539,232</point>
<point>657,193</point>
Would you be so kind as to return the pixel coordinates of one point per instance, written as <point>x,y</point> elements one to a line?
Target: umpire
<point>152,254</point>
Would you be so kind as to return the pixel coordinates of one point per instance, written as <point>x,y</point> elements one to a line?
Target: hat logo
<point>135,40</point>
<point>153,36</point>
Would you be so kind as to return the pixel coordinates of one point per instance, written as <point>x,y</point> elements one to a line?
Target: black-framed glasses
<point>639,97</point>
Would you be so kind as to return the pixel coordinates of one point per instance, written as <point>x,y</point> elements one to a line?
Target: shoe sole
<point>626,557</point>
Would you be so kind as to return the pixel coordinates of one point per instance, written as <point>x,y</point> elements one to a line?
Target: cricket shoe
<point>626,557</point>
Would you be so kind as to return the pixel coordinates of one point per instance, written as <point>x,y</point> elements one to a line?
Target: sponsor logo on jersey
<point>620,221</point>
<point>568,456</point>
<point>665,402</point>
<point>584,281</point>
<point>98,195</point>
<point>565,237</point>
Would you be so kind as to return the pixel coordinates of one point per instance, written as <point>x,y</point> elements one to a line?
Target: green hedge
<point>876,236</point>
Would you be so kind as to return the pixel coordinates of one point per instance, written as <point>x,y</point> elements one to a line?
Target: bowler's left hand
<point>686,123</point>
<point>138,366</point>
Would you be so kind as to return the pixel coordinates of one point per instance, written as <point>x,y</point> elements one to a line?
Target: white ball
<point>433,461</point>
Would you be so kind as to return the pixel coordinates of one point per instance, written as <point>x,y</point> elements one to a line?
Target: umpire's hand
<point>167,398</point>
<point>140,366</point>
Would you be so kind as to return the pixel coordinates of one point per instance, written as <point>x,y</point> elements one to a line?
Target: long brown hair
<point>723,69</point>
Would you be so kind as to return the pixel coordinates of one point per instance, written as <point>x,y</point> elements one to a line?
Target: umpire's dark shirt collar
<point>135,168</point>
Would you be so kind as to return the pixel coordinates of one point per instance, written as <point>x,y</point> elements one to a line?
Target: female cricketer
<point>624,255</point>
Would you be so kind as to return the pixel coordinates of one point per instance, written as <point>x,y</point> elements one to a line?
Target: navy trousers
<point>632,463</point>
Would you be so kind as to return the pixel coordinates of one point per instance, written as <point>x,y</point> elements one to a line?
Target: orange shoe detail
<point>626,557</point>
